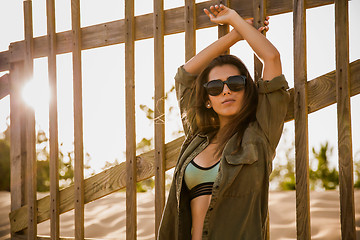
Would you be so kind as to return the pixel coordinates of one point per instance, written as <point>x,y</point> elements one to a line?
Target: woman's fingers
<point>218,14</point>
<point>208,13</point>
<point>217,9</point>
<point>266,28</point>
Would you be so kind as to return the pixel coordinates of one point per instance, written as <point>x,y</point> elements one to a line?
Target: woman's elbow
<point>273,56</point>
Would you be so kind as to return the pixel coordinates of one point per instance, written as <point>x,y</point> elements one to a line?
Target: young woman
<point>232,127</point>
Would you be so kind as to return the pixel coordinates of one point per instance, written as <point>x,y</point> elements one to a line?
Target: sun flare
<point>36,93</point>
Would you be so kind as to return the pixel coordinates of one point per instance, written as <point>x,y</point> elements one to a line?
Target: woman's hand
<point>260,29</point>
<point>220,14</point>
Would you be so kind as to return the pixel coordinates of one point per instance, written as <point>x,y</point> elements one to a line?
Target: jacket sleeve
<point>272,108</point>
<point>185,93</point>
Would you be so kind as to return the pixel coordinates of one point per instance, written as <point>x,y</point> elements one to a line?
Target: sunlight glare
<point>36,94</point>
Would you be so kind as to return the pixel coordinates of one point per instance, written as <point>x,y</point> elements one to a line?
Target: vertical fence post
<point>348,229</point>
<point>54,148</point>
<point>159,109</point>
<point>17,138</point>
<point>130,121</point>
<point>259,11</point>
<point>78,121</point>
<point>190,29</point>
<point>301,122</point>
<point>30,126</point>
<point>224,29</point>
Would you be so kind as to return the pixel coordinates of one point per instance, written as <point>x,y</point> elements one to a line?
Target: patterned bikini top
<point>199,180</point>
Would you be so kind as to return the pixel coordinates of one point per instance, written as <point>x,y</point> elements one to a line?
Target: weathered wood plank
<point>78,121</point>
<point>190,29</point>
<point>4,86</point>
<point>110,33</point>
<point>4,61</point>
<point>99,185</point>
<point>301,122</point>
<point>17,139</point>
<point>224,29</point>
<point>346,182</point>
<point>65,238</point>
<point>30,125</point>
<point>259,14</point>
<point>54,146</point>
<point>322,90</point>
<point>259,8</point>
<point>21,237</point>
<point>114,179</point>
<point>159,111</point>
<point>131,166</point>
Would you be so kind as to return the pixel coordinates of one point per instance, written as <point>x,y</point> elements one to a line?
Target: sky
<point>103,75</point>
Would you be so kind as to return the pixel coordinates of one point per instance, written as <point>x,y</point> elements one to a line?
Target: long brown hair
<point>207,119</point>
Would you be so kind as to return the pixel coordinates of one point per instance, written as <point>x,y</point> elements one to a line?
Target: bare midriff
<point>200,204</point>
<point>199,207</point>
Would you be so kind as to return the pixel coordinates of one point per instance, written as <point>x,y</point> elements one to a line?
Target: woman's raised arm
<point>197,63</point>
<point>258,42</point>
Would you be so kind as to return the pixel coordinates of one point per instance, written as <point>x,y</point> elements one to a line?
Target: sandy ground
<point>105,218</point>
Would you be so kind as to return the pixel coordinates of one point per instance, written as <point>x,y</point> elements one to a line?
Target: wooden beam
<point>301,122</point>
<point>110,33</point>
<point>78,121</point>
<point>30,126</point>
<point>190,29</point>
<point>4,61</point>
<point>4,86</point>
<point>17,140</point>
<point>223,29</point>
<point>320,89</point>
<point>159,110</point>
<point>99,185</point>
<point>53,124</point>
<point>131,166</point>
<point>259,8</point>
<point>347,207</point>
<point>259,12</point>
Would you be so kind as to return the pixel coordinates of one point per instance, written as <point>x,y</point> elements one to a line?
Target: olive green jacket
<point>239,202</point>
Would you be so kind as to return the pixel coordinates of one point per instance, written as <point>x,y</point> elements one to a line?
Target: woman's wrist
<point>235,19</point>
<point>236,35</point>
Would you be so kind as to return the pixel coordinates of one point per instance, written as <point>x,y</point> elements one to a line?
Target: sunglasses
<point>235,83</point>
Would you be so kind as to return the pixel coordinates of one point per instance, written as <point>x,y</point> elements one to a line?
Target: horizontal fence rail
<point>111,33</point>
<point>321,93</point>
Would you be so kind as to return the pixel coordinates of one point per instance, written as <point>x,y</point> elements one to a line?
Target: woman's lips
<point>228,101</point>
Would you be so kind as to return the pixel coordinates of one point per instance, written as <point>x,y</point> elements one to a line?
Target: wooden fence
<point>306,97</point>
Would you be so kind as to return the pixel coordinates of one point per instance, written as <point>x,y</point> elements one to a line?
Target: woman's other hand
<point>263,28</point>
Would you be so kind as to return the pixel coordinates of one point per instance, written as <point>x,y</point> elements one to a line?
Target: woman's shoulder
<point>253,134</point>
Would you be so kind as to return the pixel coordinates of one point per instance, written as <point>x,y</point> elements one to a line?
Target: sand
<point>106,217</point>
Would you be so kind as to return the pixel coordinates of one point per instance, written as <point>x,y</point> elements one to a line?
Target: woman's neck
<point>223,122</point>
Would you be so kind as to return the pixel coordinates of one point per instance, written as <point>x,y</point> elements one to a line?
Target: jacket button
<point>217,187</point>
<point>210,209</point>
<point>205,232</point>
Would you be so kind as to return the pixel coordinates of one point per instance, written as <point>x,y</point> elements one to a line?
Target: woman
<point>232,128</point>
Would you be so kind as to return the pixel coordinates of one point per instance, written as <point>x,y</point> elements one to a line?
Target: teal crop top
<point>199,180</point>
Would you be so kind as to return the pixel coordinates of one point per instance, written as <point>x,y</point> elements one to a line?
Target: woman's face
<point>228,103</point>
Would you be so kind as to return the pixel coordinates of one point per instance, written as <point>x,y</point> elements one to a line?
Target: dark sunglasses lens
<point>236,83</point>
<point>214,87</point>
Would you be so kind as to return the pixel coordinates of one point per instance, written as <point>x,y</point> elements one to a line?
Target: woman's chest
<point>208,156</point>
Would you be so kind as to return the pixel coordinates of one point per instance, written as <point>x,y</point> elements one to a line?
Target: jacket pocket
<point>248,154</point>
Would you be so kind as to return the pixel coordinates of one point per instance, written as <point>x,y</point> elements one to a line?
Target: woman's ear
<point>208,104</point>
